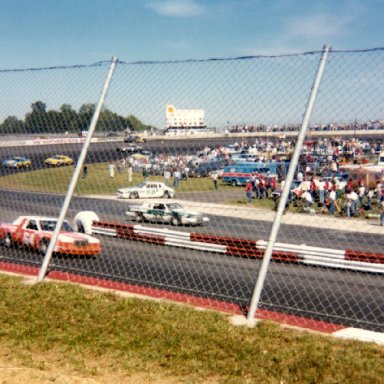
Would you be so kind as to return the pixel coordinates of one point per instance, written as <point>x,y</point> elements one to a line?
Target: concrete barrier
<point>292,253</point>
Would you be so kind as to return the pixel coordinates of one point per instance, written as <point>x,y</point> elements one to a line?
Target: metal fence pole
<point>287,186</point>
<point>76,174</point>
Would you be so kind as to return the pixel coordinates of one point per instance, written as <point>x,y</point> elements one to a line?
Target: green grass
<point>98,182</point>
<point>59,326</point>
<point>56,180</point>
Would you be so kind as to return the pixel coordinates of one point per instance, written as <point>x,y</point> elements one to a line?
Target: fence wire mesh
<point>184,212</point>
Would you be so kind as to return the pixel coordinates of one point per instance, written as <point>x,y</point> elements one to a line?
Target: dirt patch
<point>16,373</point>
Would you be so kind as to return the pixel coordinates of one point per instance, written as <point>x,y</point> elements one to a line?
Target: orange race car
<point>36,232</point>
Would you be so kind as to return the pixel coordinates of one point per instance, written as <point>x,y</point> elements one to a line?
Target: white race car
<point>146,189</point>
<point>172,213</point>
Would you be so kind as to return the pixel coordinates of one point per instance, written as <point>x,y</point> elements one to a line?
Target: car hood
<point>72,236</point>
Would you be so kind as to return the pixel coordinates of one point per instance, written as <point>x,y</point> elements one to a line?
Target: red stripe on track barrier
<point>366,257</point>
<point>286,256</point>
<point>221,240</point>
<point>112,225</point>
<point>254,253</point>
<point>154,239</point>
<point>245,252</point>
<point>18,268</point>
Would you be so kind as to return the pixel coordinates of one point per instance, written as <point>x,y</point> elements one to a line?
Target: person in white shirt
<point>130,173</point>
<point>300,176</point>
<point>355,197</point>
<point>308,198</point>
<point>321,187</point>
<point>361,193</point>
<point>167,178</point>
<point>111,169</point>
<point>332,198</point>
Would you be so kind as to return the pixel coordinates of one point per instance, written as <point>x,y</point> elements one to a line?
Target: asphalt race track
<point>343,297</point>
<point>337,296</point>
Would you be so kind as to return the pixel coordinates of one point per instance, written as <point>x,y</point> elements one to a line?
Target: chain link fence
<point>185,212</point>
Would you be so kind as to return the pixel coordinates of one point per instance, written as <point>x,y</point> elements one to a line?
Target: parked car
<point>58,160</point>
<point>17,162</point>
<point>205,168</point>
<point>36,232</point>
<point>172,213</point>
<point>134,139</point>
<point>146,189</point>
<point>133,148</point>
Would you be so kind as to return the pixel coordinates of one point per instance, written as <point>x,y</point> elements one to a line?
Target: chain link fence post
<point>76,174</point>
<point>287,186</point>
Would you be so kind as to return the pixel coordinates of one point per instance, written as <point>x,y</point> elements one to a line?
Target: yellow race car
<point>58,160</point>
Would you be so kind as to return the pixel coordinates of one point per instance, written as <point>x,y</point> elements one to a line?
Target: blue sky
<point>40,33</point>
<point>49,33</point>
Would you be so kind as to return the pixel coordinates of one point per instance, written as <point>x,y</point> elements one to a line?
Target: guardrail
<point>292,253</point>
<point>278,134</point>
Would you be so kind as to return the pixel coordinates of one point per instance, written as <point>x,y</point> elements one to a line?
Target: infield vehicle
<point>238,174</point>
<point>17,162</point>
<point>58,160</point>
<point>134,139</point>
<point>145,190</point>
<point>35,232</point>
<point>172,213</point>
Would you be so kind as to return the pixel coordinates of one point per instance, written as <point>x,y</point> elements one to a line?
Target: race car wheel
<point>43,246</point>
<point>140,218</point>
<point>176,221</point>
<point>133,195</point>
<point>8,240</point>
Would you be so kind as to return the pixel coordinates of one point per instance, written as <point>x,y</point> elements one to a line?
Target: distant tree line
<point>66,119</point>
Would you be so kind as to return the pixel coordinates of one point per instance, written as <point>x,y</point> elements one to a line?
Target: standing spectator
<point>255,185</point>
<point>349,204</point>
<point>300,176</point>
<point>118,166</point>
<point>261,188</point>
<point>167,178</point>
<point>378,192</point>
<point>111,169</point>
<point>370,194</point>
<point>321,189</point>
<point>130,173</point>
<point>186,172</point>
<point>333,167</point>
<point>273,185</point>
<point>248,191</point>
<point>307,197</point>
<point>85,171</point>
<point>145,173</point>
<point>355,199</point>
<point>332,200</point>
<point>381,213</point>
<point>361,193</point>
<point>176,178</point>
<point>214,178</point>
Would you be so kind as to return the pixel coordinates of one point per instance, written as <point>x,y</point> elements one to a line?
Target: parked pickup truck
<point>172,213</point>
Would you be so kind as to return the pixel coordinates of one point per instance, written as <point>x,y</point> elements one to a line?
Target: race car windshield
<point>49,225</point>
